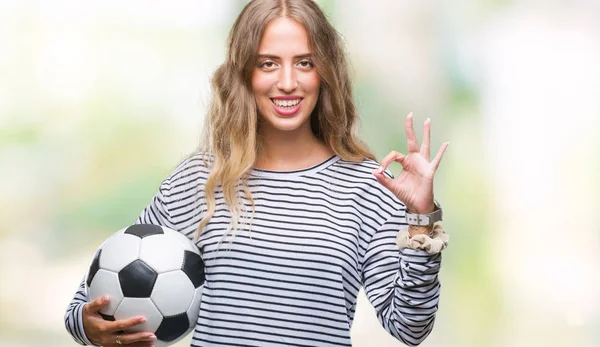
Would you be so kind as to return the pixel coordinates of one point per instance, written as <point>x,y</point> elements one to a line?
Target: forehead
<point>284,36</point>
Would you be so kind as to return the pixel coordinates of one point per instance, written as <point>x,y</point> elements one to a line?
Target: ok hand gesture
<point>414,185</point>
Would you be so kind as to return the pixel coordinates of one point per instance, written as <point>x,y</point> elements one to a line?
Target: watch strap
<point>424,219</point>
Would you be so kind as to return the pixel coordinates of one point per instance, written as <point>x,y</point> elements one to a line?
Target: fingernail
<point>152,337</point>
<point>428,120</point>
<point>143,320</point>
<point>380,170</point>
<point>410,114</point>
<point>106,298</point>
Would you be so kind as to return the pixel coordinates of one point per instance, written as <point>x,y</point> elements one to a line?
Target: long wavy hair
<point>232,140</point>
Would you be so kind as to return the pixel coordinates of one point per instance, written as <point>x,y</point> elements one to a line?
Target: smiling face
<point>285,81</point>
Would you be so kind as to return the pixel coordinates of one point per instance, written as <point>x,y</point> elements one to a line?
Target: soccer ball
<point>151,271</point>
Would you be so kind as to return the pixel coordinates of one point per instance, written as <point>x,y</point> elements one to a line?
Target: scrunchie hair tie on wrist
<point>433,244</point>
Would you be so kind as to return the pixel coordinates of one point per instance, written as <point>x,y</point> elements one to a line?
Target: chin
<point>286,124</point>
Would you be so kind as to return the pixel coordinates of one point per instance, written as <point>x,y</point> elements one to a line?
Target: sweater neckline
<point>294,173</point>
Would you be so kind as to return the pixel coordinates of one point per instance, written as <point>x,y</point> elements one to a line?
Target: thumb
<point>96,305</point>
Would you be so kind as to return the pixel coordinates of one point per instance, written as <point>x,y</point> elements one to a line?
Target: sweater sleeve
<point>155,213</point>
<point>401,284</point>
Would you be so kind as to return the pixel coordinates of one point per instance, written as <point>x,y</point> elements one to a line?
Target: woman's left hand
<point>414,185</point>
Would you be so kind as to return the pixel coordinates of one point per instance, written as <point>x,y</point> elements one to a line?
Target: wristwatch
<point>425,219</point>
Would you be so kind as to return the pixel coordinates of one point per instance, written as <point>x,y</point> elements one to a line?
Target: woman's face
<point>285,81</point>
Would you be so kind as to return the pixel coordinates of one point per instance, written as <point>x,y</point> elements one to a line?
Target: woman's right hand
<point>104,333</point>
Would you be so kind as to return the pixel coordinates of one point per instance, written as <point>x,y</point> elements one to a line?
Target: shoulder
<point>360,173</point>
<point>374,199</point>
<point>191,171</point>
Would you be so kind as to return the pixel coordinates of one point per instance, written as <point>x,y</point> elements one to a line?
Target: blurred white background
<point>99,100</point>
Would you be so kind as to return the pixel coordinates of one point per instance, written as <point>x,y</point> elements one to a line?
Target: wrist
<point>426,219</point>
<point>420,230</point>
<point>427,208</point>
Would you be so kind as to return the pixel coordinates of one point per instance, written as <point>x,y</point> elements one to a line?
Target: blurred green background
<point>99,100</point>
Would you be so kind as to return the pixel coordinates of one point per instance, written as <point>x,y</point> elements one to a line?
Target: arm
<point>73,316</point>
<point>155,213</point>
<point>401,283</point>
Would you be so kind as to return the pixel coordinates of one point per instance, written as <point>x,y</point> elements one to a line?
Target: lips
<point>286,110</point>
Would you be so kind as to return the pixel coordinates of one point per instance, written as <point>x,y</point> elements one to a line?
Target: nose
<point>287,80</point>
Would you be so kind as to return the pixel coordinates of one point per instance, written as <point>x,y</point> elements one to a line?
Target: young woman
<point>308,214</point>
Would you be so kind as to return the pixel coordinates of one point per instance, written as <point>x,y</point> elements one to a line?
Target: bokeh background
<point>99,100</point>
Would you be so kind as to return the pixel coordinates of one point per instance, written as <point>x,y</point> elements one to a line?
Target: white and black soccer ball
<point>151,271</point>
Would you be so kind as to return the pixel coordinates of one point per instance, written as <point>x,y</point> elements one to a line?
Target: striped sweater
<point>317,236</point>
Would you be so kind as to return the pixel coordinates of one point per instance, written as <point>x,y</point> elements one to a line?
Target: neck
<point>290,150</point>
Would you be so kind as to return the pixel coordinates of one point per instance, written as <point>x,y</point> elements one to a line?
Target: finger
<point>140,344</point>
<point>134,344</point>
<point>96,305</point>
<point>384,180</point>
<point>411,139</point>
<point>438,158</point>
<point>129,339</point>
<point>425,149</point>
<point>388,159</point>
<point>125,324</point>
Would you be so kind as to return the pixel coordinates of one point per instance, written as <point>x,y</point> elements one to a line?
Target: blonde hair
<point>231,129</point>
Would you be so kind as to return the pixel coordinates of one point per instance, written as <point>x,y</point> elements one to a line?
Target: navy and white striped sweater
<point>318,235</point>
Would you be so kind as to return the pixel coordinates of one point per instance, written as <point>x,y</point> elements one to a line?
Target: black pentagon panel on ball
<point>137,280</point>
<point>107,317</point>
<point>172,327</point>
<point>143,230</point>
<point>193,266</point>
<point>94,267</point>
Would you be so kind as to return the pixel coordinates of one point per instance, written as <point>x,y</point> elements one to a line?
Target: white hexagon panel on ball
<point>173,293</point>
<point>133,307</point>
<point>194,309</point>
<point>119,251</point>
<point>162,253</point>
<point>183,240</point>
<point>102,283</point>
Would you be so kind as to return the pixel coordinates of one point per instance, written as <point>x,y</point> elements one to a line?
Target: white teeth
<point>286,103</point>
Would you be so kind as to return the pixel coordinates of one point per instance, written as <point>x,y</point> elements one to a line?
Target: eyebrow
<point>274,57</point>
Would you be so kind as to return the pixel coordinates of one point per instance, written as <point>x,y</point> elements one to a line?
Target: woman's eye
<point>267,64</point>
<point>306,63</point>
